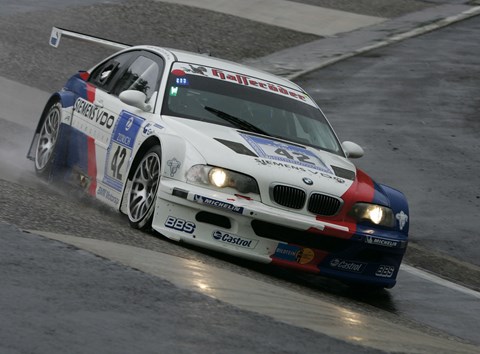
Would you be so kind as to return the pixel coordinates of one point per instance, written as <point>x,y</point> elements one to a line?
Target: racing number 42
<point>293,155</point>
<point>118,161</point>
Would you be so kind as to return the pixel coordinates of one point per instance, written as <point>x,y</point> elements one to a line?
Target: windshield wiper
<point>237,122</point>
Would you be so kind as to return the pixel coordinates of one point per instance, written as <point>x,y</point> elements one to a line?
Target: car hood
<point>269,160</point>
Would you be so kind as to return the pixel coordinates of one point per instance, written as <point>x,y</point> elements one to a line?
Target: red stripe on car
<point>90,92</point>
<point>92,166</point>
<point>361,190</point>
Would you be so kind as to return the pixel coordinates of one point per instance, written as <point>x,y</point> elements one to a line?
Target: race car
<point>223,156</point>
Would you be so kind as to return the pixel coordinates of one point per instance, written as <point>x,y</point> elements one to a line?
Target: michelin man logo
<point>402,219</point>
<point>174,165</point>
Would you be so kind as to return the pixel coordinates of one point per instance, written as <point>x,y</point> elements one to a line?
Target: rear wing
<point>58,33</point>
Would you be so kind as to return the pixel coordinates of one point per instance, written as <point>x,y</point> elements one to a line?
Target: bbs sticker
<point>385,271</point>
<point>180,225</point>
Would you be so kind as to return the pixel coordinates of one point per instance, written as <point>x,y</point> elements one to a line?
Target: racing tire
<point>143,193</point>
<point>47,140</point>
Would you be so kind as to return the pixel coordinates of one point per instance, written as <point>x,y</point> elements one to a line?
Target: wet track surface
<point>391,73</point>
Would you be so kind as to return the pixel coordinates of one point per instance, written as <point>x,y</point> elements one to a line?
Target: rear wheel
<point>142,195</point>
<point>47,140</point>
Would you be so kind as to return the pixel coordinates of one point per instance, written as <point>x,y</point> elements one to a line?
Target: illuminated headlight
<point>222,178</point>
<point>376,214</point>
<point>218,177</point>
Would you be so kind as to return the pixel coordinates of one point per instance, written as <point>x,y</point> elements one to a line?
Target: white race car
<point>223,156</point>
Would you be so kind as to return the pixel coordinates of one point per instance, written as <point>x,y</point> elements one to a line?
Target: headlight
<point>218,177</point>
<point>376,214</point>
<point>222,178</point>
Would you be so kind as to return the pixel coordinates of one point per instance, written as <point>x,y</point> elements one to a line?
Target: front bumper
<point>253,230</point>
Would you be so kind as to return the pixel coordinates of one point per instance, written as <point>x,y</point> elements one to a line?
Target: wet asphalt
<point>447,83</point>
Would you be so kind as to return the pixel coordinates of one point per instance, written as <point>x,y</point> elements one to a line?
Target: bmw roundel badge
<point>307,181</point>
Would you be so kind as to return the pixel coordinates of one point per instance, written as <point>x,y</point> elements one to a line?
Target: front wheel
<point>142,195</point>
<point>47,140</point>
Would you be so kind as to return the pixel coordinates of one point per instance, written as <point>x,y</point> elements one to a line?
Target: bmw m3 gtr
<point>219,155</point>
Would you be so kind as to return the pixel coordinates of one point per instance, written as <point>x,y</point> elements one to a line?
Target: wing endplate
<point>58,33</point>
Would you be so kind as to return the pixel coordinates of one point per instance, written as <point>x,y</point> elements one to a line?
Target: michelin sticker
<point>380,241</point>
<point>218,204</point>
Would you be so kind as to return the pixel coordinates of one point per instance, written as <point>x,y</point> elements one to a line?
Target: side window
<point>142,75</point>
<point>103,75</point>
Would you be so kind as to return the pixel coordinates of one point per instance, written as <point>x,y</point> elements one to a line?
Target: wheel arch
<point>146,145</point>
<point>52,100</point>
<point>66,99</point>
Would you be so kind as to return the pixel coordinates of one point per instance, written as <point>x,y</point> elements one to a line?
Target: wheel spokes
<point>47,138</point>
<point>144,187</point>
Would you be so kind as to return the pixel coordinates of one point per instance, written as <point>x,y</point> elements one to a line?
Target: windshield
<point>250,104</point>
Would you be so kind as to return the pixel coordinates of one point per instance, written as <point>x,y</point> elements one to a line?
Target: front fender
<point>399,205</point>
<point>178,155</point>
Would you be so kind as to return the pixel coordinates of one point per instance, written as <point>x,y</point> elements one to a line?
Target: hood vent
<point>344,173</point>
<point>237,147</point>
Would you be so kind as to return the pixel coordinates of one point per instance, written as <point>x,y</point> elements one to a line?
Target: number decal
<point>294,155</point>
<point>302,157</point>
<point>290,153</point>
<point>284,153</point>
<point>116,165</point>
<point>120,150</point>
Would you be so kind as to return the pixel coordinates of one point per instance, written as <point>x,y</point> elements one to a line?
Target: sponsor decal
<point>264,162</point>
<point>105,193</point>
<point>180,225</point>
<point>402,219</point>
<point>199,70</point>
<point>381,241</point>
<point>129,124</point>
<point>349,266</point>
<point>218,204</point>
<point>294,253</point>
<point>148,128</point>
<point>55,37</point>
<point>94,114</point>
<point>385,271</point>
<point>280,151</point>
<point>287,252</point>
<point>120,149</point>
<point>257,83</point>
<point>305,256</point>
<point>241,79</point>
<point>225,237</point>
<point>174,165</point>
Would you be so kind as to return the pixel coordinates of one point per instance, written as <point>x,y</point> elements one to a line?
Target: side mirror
<point>136,99</point>
<point>353,151</point>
